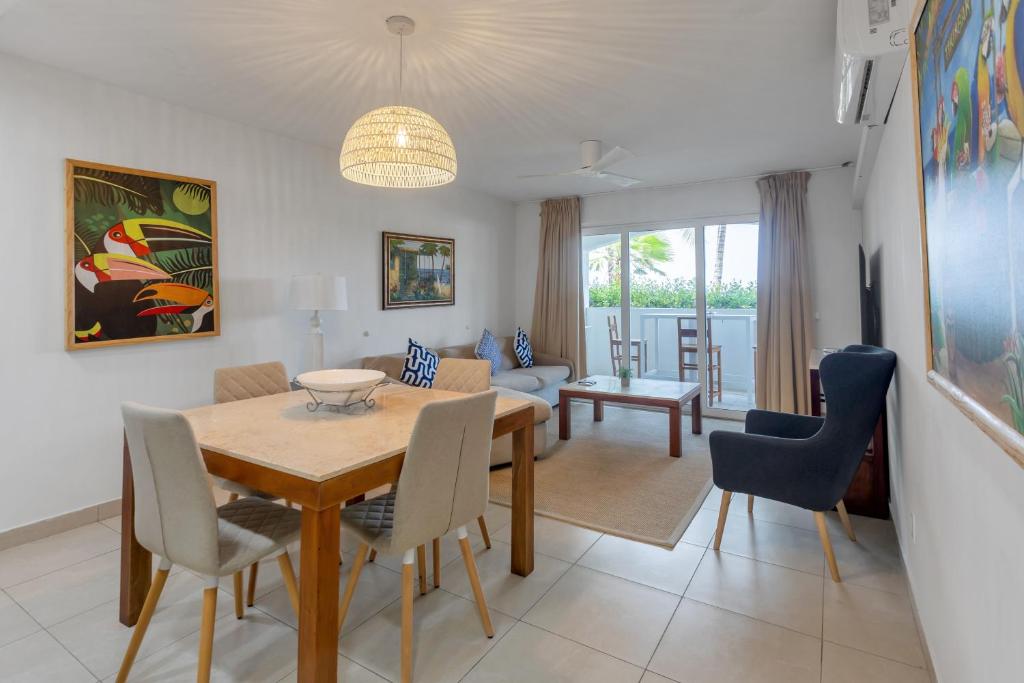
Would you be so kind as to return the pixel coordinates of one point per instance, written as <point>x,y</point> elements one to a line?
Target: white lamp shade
<point>319,293</point>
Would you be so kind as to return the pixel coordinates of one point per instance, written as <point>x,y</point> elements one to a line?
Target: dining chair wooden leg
<point>232,497</point>
<point>845,519</point>
<point>437,562</point>
<point>421,562</point>
<point>719,375</point>
<point>826,544</point>
<point>206,635</point>
<point>372,557</point>
<point>237,585</point>
<point>483,531</point>
<point>250,598</point>
<point>750,504</point>
<point>723,512</point>
<point>288,574</point>
<point>407,579</point>
<point>350,587</point>
<point>148,607</point>
<point>474,581</point>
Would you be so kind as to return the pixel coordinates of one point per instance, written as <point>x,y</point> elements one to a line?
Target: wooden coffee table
<point>641,392</point>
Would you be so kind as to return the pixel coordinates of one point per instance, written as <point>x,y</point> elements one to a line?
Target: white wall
<point>965,557</point>
<point>283,210</point>
<point>834,233</point>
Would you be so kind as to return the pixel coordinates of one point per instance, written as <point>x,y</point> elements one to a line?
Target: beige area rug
<point>616,476</point>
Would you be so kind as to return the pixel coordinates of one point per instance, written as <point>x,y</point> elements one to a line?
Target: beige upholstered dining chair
<point>442,486</point>
<point>177,519</point>
<point>467,376</point>
<point>236,384</point>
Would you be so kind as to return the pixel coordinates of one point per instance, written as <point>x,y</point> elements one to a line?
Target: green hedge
<point>677,293</point>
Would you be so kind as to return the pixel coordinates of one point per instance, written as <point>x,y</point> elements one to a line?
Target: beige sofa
<point>536,384</point>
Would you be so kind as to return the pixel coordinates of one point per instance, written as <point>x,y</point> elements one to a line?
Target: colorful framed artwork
<point>417,271</point>
<point>141,262</point>
<point>969,113</point>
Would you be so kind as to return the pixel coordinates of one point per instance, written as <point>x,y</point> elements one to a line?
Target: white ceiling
<point>697,89</point>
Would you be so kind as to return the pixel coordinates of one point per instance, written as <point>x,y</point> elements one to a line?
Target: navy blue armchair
<point>808,461</point>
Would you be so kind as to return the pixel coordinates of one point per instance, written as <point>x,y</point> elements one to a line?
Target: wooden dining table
<point>320,460</point>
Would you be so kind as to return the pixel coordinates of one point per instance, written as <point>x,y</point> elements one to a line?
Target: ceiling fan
<point>594,164</point>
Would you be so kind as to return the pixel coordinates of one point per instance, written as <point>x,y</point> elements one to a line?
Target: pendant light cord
<point>401,64</point>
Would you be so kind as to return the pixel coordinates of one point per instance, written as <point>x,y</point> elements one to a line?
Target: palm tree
<point>446,253</point>
<point>430,249</point>
<point>646,252</point>
<point>719,257</point>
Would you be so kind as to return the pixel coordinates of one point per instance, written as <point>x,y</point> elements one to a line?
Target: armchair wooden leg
<point>474,580</point>
<point>206,635</point>
<point>826,544</point>
<point>350,587</point>
<point>437,562</point>
<point>251,595</point>
<point>845,519</point>
<point>288,574</point>
<point>483,531</point>
<point>750,504</point>
<point>421,562</point>
<point>239,605</point>
<point>232,498</point>
<point>407,579</point>
<point>148,608</point>
<point>372,557</point>
<point>723,513</point>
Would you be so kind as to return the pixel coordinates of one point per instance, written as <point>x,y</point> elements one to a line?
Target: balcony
<point>735,330</point>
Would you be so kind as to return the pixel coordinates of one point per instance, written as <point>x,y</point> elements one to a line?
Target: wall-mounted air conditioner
<point>871,45</point>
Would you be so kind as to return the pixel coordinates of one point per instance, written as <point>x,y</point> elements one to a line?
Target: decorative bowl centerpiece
<point>340,388</point>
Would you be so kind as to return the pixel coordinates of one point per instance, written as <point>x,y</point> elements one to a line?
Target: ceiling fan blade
<point>620,180</point>
<point>539,175</point>
<point>614,156</point>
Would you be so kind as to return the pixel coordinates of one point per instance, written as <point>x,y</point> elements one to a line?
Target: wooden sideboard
<point>869,492</point>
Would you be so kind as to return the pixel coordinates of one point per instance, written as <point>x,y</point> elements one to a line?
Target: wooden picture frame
<point>417,271</point>
<point>947,24</point>
<point>123,224</point>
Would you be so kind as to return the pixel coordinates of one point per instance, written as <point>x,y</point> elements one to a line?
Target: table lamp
<point>318,293</point>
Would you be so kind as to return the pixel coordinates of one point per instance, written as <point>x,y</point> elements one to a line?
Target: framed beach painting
<point>417,271</point>
<point>141,261</point>
<point>969,113</point>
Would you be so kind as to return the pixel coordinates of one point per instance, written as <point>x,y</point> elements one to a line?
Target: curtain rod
<point>703,181</point>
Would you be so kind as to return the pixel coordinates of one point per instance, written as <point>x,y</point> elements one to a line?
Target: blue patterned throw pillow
<point>524,352</point>
<point>488,349</point>
<point>420,366</point>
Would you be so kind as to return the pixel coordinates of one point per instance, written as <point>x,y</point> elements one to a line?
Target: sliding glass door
<point>691,313</point>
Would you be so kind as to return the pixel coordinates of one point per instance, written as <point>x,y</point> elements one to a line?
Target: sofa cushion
<point>487,349</point>
<point>547,374</point>
<point>523,349</point>
<point>420,366</point>
<point>516,379</point>
<point>541,408</point>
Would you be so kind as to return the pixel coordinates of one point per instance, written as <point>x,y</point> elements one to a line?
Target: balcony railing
<point>735,330</point>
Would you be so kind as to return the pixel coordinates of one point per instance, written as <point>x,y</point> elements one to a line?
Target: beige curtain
<point>558,302</point>
<point>783,295</point>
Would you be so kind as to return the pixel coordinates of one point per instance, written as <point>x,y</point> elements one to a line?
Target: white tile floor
<point>597,609</point>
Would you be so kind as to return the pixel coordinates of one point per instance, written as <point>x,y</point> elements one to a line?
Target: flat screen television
<point>870,322</point>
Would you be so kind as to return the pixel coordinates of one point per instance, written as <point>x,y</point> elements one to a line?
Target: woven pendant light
<point>398,146</point>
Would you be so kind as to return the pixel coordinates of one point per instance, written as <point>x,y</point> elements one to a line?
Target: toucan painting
<point>142,256</point>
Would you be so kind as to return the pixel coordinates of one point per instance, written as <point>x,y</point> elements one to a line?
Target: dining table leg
<point>318,595</point>
<point>136,561</point>
<point>522,495</point>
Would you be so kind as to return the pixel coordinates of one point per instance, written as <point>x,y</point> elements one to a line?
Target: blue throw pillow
<point>488,349</point>
<point>524,352</point>
<point>420,366</point>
